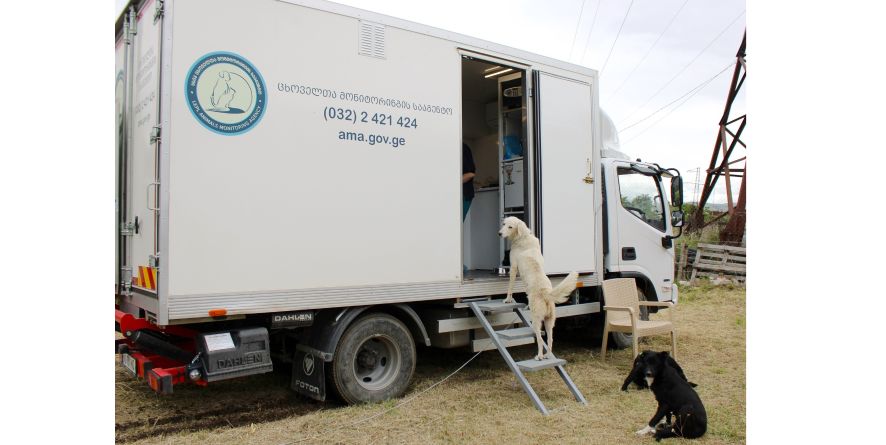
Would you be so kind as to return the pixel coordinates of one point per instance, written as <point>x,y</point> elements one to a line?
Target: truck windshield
<point>641,196</point>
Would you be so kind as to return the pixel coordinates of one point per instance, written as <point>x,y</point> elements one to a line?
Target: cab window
<point>641,196</point>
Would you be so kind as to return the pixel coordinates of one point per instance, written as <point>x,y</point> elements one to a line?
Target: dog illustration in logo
<point>225,93</point>
<point>222,93</point>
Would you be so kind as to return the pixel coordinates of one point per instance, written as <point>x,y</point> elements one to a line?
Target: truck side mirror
<point>677,218</point>
<point>677,193</point>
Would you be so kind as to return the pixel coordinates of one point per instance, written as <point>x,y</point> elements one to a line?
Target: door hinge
<point>154,261</point>
<point>126,280</point>
<point>529,92</point>
<point>155,133</point>
<point>126,37</point>
<point>132,24</point>
<point>158,11</point>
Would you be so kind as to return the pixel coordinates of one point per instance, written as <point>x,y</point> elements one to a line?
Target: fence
<point>711,261</point>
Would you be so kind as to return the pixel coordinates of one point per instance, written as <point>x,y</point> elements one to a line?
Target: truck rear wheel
<point>374,360</point>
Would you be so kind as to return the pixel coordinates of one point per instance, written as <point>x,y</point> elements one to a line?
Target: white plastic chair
<point>622,306</point>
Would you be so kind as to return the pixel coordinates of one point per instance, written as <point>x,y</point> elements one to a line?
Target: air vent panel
<point>371,40</point>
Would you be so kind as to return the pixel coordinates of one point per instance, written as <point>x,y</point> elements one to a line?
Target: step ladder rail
<point>507,357</point>
<point>579,397</point>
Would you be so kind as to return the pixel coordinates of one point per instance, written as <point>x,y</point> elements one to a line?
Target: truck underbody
<point>224,348</point>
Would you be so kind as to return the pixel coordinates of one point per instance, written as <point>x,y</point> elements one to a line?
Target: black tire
<point>374,360</point>
<point>620,340</point>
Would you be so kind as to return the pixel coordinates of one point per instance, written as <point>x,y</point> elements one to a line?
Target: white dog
<point>527,260</point>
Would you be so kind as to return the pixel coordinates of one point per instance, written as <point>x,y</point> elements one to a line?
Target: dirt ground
<point>481,404</point>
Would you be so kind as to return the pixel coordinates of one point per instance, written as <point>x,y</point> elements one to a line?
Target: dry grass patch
<point>481,404</point>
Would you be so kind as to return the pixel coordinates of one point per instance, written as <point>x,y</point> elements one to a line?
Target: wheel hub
<point>367,359</point>
<point>376,363</point>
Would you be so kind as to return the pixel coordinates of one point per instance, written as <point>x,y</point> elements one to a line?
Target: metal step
<point>471,322</point>
<point>486,344</point>
<point>532,364</point>
<point>498,306</point>
<point>466,302</point>
<point>516,333</point>
<point>501,340</point>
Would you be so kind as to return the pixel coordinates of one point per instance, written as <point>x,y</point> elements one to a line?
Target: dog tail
<point>562,291</point>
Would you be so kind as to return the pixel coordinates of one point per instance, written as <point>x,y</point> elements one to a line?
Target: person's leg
<point>465,206</point>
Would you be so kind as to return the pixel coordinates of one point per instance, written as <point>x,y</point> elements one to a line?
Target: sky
<point>655,57</point>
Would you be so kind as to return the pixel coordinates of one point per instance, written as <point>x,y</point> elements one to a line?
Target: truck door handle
<point>153,184</point>
<point>628,253</point>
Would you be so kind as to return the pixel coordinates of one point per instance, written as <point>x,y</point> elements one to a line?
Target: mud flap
<point>308,376</point>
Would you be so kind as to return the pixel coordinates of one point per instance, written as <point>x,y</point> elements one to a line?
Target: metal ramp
<point>499,338</point>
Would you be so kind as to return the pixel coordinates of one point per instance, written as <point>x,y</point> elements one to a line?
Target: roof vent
<point>371,40</point>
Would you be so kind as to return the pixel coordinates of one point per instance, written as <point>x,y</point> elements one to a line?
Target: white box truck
<point>289,191</point>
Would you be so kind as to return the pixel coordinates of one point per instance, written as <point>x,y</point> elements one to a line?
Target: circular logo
<point>225,93</point>
<point>308,364</point>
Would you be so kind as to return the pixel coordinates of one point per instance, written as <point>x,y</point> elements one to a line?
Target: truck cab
<point>639,218</point>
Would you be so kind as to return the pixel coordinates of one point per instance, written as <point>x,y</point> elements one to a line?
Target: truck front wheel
<point>374,360</point>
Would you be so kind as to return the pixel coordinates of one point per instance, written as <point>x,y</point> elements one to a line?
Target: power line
<point>588,41</point>
<point>577,25</point>
<point>690,93</point>
<point>616,37</point>
<point>666,115</point>
<point>649,51</point>
<point>685,67</point>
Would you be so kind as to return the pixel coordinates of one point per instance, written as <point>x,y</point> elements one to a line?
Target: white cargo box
<point>288,155</point>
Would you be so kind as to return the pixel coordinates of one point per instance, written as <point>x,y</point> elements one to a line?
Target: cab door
<point>639,221</point>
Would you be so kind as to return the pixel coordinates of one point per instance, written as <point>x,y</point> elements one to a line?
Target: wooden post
<point>682,260</point>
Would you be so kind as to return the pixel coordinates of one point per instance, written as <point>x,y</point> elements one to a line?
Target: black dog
<point>675,396</point>
<point>636,376</point>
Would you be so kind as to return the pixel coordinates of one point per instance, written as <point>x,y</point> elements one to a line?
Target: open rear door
<point>564,150</point>
<point>142,153</point>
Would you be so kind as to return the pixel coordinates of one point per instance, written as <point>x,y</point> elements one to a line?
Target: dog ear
<point>663,355</point>
<point>522,228</point>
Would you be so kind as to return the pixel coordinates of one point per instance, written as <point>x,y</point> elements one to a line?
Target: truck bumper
<point>177,355</point>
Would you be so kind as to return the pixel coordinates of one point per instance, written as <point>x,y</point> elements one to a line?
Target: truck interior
<point>494,126</point>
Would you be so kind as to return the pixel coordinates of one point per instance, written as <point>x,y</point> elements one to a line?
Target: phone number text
<point>355,117</point>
